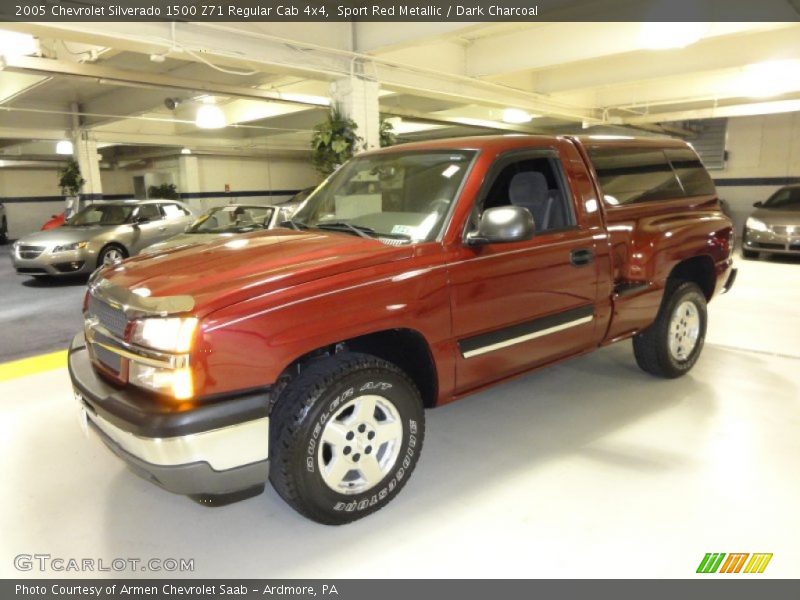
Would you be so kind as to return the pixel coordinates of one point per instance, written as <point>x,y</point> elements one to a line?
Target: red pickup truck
<point>411,277</point>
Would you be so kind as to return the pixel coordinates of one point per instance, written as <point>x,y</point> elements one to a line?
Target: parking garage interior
<point>588,462</point>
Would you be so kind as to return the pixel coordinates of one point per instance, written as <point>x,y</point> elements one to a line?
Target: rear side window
<point>149,211</point>
<point>173,210</point>
<point>631,175</point>
<point>690,171</point>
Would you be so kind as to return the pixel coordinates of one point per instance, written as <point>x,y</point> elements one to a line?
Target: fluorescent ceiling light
<point>64,147</point>
<point>771,78</point>
<point>665,36</point>
<point>403,126</point>
<point>210,116</point>
<point>186,151</point>
<point>515,115</point>
<point>13,44</point>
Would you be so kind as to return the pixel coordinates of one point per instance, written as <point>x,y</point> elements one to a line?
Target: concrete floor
<point>587,469</point>
<point>36,315</point>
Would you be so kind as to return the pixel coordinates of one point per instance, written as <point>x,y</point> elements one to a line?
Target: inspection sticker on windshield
<point>404,230</point>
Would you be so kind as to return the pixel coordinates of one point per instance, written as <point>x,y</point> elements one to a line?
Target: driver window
<point>536,185</point>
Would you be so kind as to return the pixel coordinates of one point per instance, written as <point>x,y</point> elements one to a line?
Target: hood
<point>230,270</point>
<point>65,235</point>
<point>183,240</point>
<point>777,216</point>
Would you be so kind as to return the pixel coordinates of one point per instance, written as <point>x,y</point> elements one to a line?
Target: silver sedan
<point>774,228</point>
<point>103,233</point>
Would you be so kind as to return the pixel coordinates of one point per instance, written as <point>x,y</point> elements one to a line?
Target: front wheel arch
<point>408,349</point>
<point>104,249</point>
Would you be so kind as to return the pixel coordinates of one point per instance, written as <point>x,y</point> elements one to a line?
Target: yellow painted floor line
<point>33,365</point>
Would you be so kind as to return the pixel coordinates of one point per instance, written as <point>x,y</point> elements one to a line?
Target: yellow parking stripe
<point>33,365</point>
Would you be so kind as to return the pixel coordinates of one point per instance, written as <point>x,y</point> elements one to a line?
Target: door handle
<point>581,257</point>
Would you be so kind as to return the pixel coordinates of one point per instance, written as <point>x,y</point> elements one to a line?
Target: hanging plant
<point>165,191</point>
<point>70,180</point>
<point>388,136</point>
<point>334,142</point>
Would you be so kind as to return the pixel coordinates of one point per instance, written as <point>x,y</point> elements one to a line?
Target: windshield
<point>401,196</point>
<point>785,199</point>
<point>233,219</point>
<point>99,214</point>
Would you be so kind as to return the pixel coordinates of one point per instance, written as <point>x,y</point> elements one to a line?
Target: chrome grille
<point>109,317</point>
<point>110,359</point>
<point>30,251</point>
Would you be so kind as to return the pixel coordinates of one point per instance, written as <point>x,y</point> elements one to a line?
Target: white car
<point>226,221</point>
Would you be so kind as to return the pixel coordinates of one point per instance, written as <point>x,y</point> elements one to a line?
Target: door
<point>521,304</point>
<point>148,231</point>
<point>176,219</point>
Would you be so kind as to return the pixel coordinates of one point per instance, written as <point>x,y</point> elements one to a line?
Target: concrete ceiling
<point>272,80</point>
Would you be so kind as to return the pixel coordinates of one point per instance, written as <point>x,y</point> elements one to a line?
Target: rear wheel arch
<point>699,270</point>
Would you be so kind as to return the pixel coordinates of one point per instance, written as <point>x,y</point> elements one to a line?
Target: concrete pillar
<point>357,98</point>
<point>84,151</point>
<point>189,177</point>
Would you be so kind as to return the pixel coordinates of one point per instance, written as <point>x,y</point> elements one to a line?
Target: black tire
<point>652,346</point>
<point>749,254</point>
<point>101,257</point>
<point>316,398</point>
<point>4,232</point>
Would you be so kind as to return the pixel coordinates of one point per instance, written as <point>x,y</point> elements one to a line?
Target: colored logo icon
<point>717,562</point>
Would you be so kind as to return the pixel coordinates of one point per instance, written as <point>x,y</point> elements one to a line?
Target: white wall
<point>28,216</point>
<point>762,146</point>
<point>251,175</point>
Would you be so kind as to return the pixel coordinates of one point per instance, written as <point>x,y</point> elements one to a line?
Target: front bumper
<point>74,262</point>
<point>768,241</point>
<point>214,449</point>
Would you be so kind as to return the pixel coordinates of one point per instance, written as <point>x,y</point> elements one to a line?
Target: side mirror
<point>503,224</point>
<point>758,204</point>
<point>138,220</point>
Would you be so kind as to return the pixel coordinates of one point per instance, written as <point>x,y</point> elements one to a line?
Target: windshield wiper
<point>359,230</point>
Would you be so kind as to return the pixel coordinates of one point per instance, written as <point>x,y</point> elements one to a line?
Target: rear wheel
<point>672,344</point>
<point>345,436</point>
<point>111,255</point>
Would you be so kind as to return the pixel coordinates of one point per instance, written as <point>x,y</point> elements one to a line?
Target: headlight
<point>755,224</point>
<point>174,334</point>
<point>171,334</point>
<point>70,247</point>
<point>172,382</point>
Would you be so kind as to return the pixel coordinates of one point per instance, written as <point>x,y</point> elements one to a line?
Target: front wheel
<point>672,344</point>
<point>111,255</point>
<point>345,436</point>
